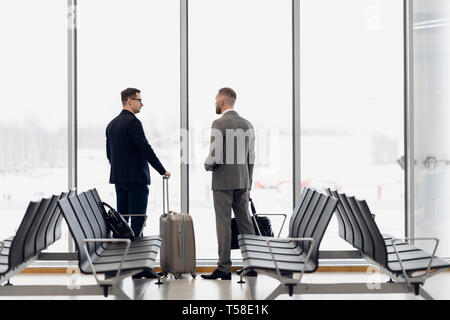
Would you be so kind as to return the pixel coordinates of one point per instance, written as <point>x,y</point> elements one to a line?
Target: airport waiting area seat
<point>280,258</point>
<point>284,259</point>
<point>40,227</point>
<point>98,253</point>
<point>405,263</point>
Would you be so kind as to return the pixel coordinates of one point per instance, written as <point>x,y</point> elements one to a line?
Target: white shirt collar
<point>232,109</point>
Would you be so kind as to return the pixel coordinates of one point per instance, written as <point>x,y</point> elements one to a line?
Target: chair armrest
<point>306,260</point>
<point>107,281</point>
<point>274,214</point>
<point>407,278</point>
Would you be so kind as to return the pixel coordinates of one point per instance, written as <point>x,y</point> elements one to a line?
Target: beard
<point>218,110</point>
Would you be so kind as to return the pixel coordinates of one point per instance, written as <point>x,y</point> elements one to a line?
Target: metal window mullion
<point>296,133</point>
<point>184,105</point>
<point>72,100</point>
<point>409,117</point>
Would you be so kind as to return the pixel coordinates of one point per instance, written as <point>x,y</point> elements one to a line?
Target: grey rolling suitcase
<point>177,254</point>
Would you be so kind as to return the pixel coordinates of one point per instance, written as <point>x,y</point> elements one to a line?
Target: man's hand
<point>166,175</point>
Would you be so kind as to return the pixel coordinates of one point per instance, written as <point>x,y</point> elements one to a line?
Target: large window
<point>431,68</point>
<point>351,102</point>
<point>351,88</point>
<point>129,44</point>
<point>33,121</point>
<point>245,45</point>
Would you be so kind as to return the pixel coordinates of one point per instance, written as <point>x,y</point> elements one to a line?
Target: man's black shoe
<point>217,274</point>
<point>146,274</point>
<point>251,273</point>
<point>110,274</point>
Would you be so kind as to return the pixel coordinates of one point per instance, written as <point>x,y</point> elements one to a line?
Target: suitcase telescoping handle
<point>165,196</point>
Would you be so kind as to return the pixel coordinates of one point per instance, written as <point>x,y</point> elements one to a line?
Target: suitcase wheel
<point>177,275</point>
<point>193,275</point>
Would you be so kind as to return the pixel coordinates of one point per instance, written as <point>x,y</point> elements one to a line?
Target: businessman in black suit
<point>129,153</point>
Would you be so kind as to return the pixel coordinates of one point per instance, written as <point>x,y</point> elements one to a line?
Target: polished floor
<point>254,288</point>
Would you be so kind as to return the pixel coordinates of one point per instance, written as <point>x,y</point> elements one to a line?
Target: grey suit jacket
<point>231,156</point>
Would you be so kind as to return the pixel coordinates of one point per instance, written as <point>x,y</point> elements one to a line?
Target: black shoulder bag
<point>116,223</point>
<point>264,227</point>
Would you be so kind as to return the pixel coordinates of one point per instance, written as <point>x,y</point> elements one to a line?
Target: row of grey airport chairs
<point>280,258</point>
<point>98,253</point>
<point>299,252</point>
<point>39,228</point>
<point>407,265</point>
<point>398,258</point>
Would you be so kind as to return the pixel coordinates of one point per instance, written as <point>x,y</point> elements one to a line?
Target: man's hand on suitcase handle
<point>166,175</point>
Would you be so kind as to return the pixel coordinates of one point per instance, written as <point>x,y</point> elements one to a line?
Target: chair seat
<point>4,252</point>
<point>4,259</point>
<point>287,251</point>
<point>4,268</point>
<point>420,264</point>
<point>140,242</point>
<point>398,243</point>
<point>131,251</point>
<point>403,248</point>
<point>148,252</point>
<point>283,266</point>
<point>262,241</point>
<point>287,254</point>
<point>7,242</point>
<point>114,266</point>
<point>150,255</point>
<point>135,261</point>
<point>408,255</point>
<point>278,257</point>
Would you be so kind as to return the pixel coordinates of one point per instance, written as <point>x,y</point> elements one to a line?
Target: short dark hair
<point>129,93</point>
<point>229,95</point>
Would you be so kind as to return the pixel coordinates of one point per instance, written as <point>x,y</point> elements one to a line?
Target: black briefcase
<point>116,223</point>
<point>262,225</point>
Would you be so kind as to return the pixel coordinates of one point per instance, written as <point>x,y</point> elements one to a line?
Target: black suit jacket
<point>128,151</point>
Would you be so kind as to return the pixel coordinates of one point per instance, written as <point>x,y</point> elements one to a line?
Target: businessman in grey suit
<point>231,159</point>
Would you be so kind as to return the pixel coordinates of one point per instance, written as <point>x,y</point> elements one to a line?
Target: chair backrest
<point>43,232</point>
<point>56,222</point>
<point>302,205</point>
<point>368,245</point>
<point>90,216</point>
<point>318,224</point>
<point>357,240</point>
<point>84,222</point>
<point>94,200</point>
<point>76,227</point>
<point>30,246</point>
<point>16,252</point>
<point>344,225</point>
<point>380,252</point>
<point>45,236</point>
<point>366,235</point>
<point>312,220</point>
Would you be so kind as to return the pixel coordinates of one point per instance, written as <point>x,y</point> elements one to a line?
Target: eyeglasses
<point>140,100</point>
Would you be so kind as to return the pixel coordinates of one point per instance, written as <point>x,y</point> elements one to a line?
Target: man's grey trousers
<point>224,201</point>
